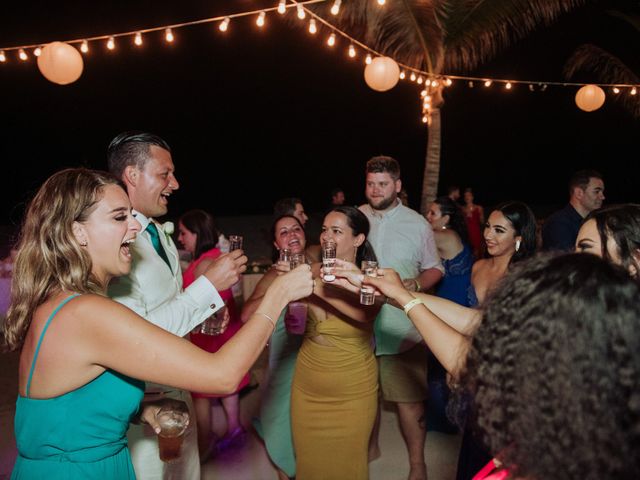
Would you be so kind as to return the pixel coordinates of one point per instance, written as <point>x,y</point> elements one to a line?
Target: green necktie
<point>155,240</point>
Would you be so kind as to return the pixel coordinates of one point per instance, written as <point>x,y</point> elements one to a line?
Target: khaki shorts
<point>403,377</point>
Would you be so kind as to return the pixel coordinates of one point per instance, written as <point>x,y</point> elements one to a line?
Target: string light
<point>427,82</point>
<point>368,61</point>
<point>420,80</point>
<point>352,51</point>
<point>335,8</point>
<point>282,7</point>
<point>616,90</point>
<point>312,26</point>
<point>22,54</point>
<point>260,19</point>
<point>84,48</point>
<point>633,91</point>
<point>138,39</point>
<point>381,2</point>
<point>3,57</point>
<point>487,83</point>
<point>111,44</point>
<point>168,35</point>
<point>224,24</point>
<point>448,82</point>
<point>331,41</point>
<point>470,84</point>
<point>37,51</point>
<point>412,77</point>
<point>508,86</point>
<point>435,83</point>
<point>402,73</point>
<point>301,13</point>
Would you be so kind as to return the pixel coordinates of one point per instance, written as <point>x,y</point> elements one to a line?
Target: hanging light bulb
<point>168,35</point>
<point>331,41</point>
<point>138,39</point>
<point>412,77</point>
<point>487,83</point>
<point>616,90</point>
<point>260,19</point>
<point>420,80</point>
<point>531,88</point>
<point>425,119</point>
<point>84,48</point>
<point>23,56</point>
<point>335,8</point>
<point>470,84</point>
<point>301,13</point>
<point>352,51</point>
<point>3,57</point>
<point>448,82</point>
<point>427,82</point>
<point>111,44</point>
<point>402,75</point>
<point>224,24</point>
<point>423,93</point>
<point>434,83</point>
<point>508,86</point>
<point>37,51</point>
<point>369,59</point>
<point>282,7</point>
<point>381,2</point>
<point>633,91</point>
<point>312,26</point>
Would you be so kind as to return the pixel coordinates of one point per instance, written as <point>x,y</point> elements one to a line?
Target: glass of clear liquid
<point>297,259</point>
<point>329,252</point>
<point>235,242</point>
<point>367,292</point>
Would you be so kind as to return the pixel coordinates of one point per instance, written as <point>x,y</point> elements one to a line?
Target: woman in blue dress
<point>81,351</point>
<point>450,234</point>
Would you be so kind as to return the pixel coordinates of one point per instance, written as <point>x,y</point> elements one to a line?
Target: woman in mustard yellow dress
<point>335,385</point>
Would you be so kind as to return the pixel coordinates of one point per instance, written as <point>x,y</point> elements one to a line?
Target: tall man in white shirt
<point>153,288</point>
<point>402,240</point>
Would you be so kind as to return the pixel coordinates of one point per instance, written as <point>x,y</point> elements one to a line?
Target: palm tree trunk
<point>431,163</point>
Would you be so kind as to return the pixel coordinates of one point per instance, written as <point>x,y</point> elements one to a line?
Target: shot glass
<point>214,325</point>
<point>329,260</point>
<point>295,320</point>
<point>173,424</point>
<point>235,242</point>
<point>297,259</point>
<point>367,292</point>
<point>285,255</point>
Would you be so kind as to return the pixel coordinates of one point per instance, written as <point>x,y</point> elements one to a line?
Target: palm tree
<point>438,36</point>
<point>606,67</point>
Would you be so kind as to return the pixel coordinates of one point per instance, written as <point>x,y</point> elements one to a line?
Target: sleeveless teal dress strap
<point>44,330</point>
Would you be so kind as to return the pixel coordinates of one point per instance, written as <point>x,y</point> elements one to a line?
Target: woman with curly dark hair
<point>554,367</point>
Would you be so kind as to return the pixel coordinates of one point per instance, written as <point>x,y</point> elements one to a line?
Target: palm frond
<point>449,35</point>
<point>475,31</point>
<point>630,18</point>
<point>605,68</point>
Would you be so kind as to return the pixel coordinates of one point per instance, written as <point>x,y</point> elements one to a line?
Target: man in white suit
<point>153,289</point>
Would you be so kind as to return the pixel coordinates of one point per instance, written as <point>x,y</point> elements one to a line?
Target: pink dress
<point>213,343</point>
<point>475,231</point>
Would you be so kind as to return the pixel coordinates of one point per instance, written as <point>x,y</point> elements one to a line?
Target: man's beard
<point>384,203</point>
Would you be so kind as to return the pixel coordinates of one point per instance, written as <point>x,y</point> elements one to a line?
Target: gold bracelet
<point>409,305</point>
<point>273,324</point>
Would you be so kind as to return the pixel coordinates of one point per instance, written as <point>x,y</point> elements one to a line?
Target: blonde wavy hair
<point>50,259</point>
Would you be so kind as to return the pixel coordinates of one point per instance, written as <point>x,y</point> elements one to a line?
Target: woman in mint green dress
<point>81,352</point>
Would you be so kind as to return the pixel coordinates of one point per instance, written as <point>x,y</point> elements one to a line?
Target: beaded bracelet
<point>409,305</point>
<point>273,324</point>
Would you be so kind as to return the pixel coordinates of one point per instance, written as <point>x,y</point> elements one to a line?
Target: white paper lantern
<point>590,98</point>
<point>382,74</point>
<point>60,63</point>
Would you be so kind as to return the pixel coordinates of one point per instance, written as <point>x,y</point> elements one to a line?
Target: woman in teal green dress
<point>81,351</point>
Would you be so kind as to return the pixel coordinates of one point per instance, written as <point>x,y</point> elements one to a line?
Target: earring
<point>517,245</point>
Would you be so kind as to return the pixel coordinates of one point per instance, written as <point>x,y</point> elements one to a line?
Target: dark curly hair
<point>621,223</point>
<point>555,370</point>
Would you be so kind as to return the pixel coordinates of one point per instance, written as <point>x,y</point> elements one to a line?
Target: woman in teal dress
<point>273,423</point>
<point>81,351</point>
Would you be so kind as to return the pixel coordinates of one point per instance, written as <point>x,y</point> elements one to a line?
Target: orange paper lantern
<point>60,63</point>
<point>590,98</point>
<point>382,74</point>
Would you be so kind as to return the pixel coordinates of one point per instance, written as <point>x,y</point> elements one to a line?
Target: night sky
<point>281,100</point>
